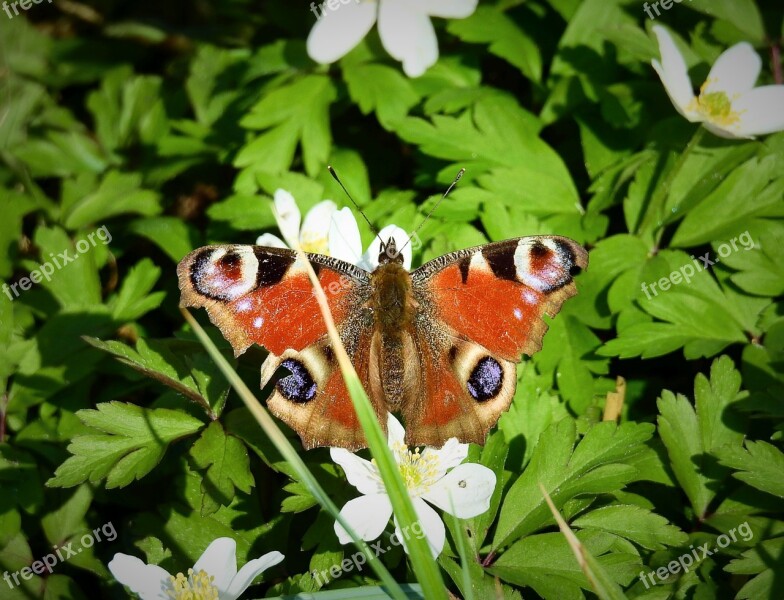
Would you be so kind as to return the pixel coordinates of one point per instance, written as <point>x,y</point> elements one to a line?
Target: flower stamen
<point>197,586</point>
<point>419,471</point>
<point>716,107</point>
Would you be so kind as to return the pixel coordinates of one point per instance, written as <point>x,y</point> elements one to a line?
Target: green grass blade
<point>290,454</point>
<point>601,582</point>
<point>411,590</point>
<point>462,551</point>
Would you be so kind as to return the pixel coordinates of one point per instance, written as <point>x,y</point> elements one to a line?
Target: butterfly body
<point>439,344</point>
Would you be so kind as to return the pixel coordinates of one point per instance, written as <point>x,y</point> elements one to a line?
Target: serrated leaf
<point>178,364</point>
<point>689,434</point>
<point>507,40</point>
<point>292,114</point>
<point>134,298</point>
<point>634,523</point>
<point>760,464</point>
<point>382,89</point>
<point>118,193</point>
<point>545,562</point>
<point>595,465</point>
<point>133,442</point>
<point>225,461</point>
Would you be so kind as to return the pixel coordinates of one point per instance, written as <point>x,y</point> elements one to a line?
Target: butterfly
<point>438,344</point>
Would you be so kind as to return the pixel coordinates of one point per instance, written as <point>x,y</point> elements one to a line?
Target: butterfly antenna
<point>432,210</point>
<point>343,187</point>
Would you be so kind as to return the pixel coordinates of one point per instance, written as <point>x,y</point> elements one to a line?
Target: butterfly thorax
<point>392,300</point>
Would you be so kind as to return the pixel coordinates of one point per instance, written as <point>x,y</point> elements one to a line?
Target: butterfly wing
<point>261,295</point>
<point>481,309</point>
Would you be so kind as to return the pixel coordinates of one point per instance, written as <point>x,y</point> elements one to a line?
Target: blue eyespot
<point>299,386</point>
<point>486,379</point>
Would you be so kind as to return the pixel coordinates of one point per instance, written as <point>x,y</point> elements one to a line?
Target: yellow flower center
<point>716,107</point>
<point>419,471</point>
<point>197,586</point>
<point>317,244</point>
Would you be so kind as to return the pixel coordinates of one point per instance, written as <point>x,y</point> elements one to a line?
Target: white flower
<point>213,577</point>
<point>464,491</point>
<point>728,105</point>
<point>312,237</point>
<point>330,231</point>
<point>403,25</point>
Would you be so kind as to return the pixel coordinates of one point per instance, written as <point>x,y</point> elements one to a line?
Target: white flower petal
<point>366,515</point>
<point>345,242</point>
<point>448,9</point>
<point>451,454</point>
<point>720,131</point>
<point>220,561</point>
<point>288,216</point>
<point>761,111</point>
<point>360,473</point>
<point>464,492</point>
<point>270,240</point>
<point>395,433</point>
<point>315,227</point>
<point>735,71</point>
<point>340,30</point>
<point>150,582</point>
<point>249,572</point>
<point>674,74</point>
<point>431,525</point>
<point>408,35</point>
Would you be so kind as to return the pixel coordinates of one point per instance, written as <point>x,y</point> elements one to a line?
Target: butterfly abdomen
<point>394,308</point>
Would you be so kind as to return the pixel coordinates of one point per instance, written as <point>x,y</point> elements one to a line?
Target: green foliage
<point>130,135</point>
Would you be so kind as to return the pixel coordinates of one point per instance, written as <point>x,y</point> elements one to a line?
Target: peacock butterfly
<point>438,344</point>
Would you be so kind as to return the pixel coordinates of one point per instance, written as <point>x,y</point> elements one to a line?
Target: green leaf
<point>382,89</point>
<point>133,441</point>
<point>742,14</point>
<point>488,25</point>
<point>569,353</point>
<point>761,272</point>
<point>634,523</point>
<point>74,281</point>
<point>171,234</point>
<point>721,213</point>
<point>134,298</point>
<point>546,564</point>
<point>118,193</point>
<point>690,433</point>
<point>761,465</point>
<point>533,410</point>
<point>295,113</point>
<point>175,363</point>
<point>694,312</point>
<point>762,561</point>
<point>596,465</point>
<point>225,460</point>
